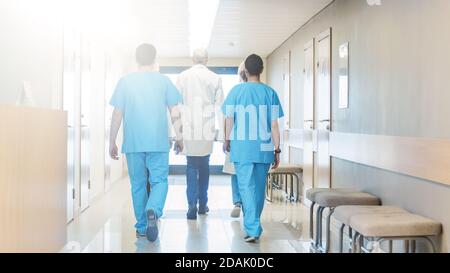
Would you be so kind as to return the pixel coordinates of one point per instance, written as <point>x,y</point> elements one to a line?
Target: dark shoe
<point>203,210</point>
<point>251,240</point>
<point>140,235</point>
<point>152,226</point>
<point>192,213</point>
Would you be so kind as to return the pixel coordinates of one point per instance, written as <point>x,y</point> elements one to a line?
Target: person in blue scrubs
<point>252,111</point>
<point>229,167</point>
<point>141,100</point>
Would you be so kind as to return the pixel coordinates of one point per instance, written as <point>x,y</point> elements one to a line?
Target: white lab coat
<point>202,98</point>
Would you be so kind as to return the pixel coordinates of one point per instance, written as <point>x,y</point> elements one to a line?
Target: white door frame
<point>322,166</point>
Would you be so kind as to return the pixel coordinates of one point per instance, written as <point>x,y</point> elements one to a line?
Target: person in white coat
<point>202,97</point>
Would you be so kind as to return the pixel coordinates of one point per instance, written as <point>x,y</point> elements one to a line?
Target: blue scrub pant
<point>197,176</point>
<point>235,190</point>
<point>252,185</point>
<point>145,168</point>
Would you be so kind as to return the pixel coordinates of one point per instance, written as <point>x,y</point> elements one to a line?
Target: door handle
<point>328,125</point>
<point>312,123</point>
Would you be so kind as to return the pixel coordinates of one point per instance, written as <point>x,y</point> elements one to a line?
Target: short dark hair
<point>146,54</point>
<point>254,65</point>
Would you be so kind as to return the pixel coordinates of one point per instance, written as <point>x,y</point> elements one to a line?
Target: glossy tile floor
<point>107,226</point>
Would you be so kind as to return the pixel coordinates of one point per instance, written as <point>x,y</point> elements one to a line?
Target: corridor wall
<point>31,50</point>
<point>399,65</point>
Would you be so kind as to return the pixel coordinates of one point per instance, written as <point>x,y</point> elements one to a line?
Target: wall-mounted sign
<point>26,95</point>
<point>343,75</point>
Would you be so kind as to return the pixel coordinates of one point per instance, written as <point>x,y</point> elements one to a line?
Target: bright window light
<point>202,15</point>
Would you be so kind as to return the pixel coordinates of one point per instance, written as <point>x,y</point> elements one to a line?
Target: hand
<point>276,163</point>
<point>227,146</point>
<point>114,151</point>
<point>179,146</point>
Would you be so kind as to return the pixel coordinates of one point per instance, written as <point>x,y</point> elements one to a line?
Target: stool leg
<point>272,181</point>
<point>288,188</point>
<point>372,245</point>
<point>297,179</point>
<point>311,221</point>
<point>360,243</point>
<point>271,190</point>
<point>391,246</point>
<point>413,246</point>
<point>431,243</point>
<point>354,237</point>
<point>406,246</point>
<point>341,238</point>
<point>328,234</point>
<point>350,237</point>
<point>292,188</point>
<point>319,227</point>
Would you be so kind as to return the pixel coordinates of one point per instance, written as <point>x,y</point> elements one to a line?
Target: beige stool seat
<point>330,200</point>
<point>287,168</point>
<point>312,193</point>
<point>343,214</point>
<point>394,225</point>
<point>336,199</point>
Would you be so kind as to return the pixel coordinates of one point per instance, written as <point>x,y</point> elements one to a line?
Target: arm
<point>276,142</point>
<point>177,123</point>
<point>116,121</point>
<point>229,123</point>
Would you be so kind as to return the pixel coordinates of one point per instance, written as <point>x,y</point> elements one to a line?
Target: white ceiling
<point>259,26</point>
<point>242,26</point>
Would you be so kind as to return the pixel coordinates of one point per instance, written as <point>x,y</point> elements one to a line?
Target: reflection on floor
<point>107,226</point>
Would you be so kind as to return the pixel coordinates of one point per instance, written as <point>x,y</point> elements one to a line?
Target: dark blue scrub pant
<point>197,176</point>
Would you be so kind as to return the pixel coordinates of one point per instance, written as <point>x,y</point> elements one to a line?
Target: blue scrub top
<point>253,106</point>
<point>143,98</point>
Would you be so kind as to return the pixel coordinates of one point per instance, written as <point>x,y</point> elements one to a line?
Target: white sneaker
<point>236,212</point>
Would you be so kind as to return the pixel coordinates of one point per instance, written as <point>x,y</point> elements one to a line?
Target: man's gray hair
<point>200,56</point>
<point>241,73</point>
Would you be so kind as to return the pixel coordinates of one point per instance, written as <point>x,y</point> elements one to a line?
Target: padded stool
<point>394,226</point>
<point>343,214</point>
<point>274,180</point>
<point>332,200</point>
<point>311,196</point>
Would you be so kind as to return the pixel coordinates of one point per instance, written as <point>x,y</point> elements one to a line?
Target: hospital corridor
<point>108,226</point>
<point>253,129</point>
